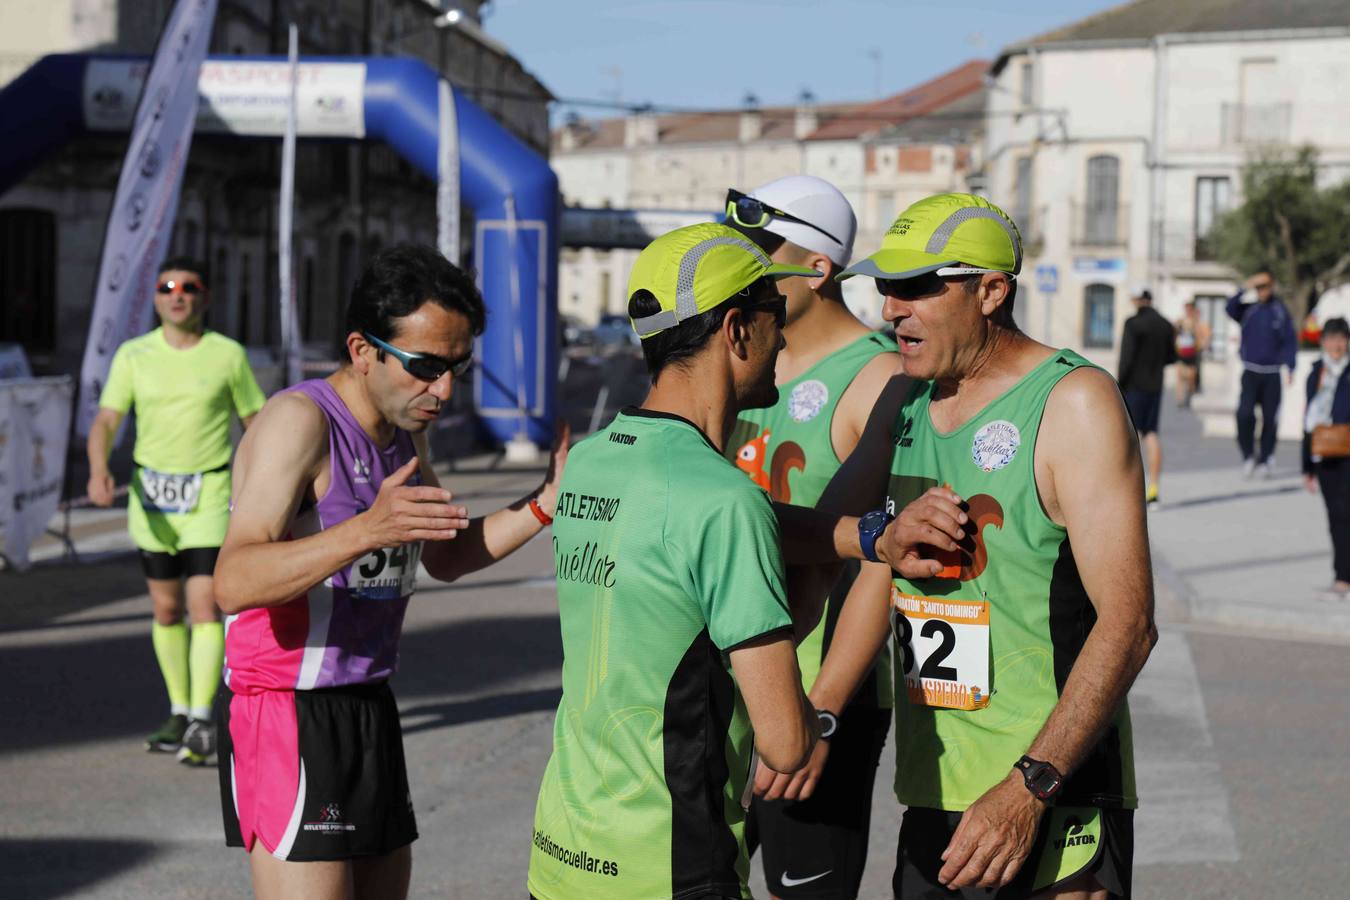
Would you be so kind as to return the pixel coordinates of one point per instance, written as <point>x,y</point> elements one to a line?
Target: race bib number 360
<point>163,492</point>
<point>944,649</point>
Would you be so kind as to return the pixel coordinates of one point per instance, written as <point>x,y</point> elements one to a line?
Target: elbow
<point>226,591</point>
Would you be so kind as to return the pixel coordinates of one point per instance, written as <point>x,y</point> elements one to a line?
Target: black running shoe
<point>199,743</point>
<point>169,737</point>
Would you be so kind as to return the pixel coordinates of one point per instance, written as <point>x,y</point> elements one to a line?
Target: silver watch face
<point>829,723</point>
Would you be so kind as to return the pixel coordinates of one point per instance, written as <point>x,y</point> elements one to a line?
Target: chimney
<point>572,131</point>
<point>752,121</point>
<point>807,119</point>
<point>640,127</point>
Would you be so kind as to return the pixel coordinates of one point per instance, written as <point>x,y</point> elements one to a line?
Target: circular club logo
<point>995,445</point>
<point>807,400</point>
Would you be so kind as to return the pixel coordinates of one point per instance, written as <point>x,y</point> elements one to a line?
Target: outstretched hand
<point>936,519</point>
<point>557,461</point>
<point>402,513</point>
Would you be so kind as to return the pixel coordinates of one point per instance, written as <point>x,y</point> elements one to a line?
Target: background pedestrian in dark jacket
<point>1147,346</point>
<point>1268,343</point>
<point>1329,404</point>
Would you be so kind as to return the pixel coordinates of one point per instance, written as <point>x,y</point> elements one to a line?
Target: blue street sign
<point>1047,279</point>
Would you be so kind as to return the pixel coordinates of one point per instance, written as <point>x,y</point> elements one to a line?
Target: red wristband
<point>544,518</point>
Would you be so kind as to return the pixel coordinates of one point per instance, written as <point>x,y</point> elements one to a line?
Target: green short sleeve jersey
<point>183,399</point>
<point>667,559</point>
<point>1038,612</point>
<point>787,450</point>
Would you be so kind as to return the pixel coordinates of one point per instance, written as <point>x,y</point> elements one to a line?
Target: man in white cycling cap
<point>813,824</point>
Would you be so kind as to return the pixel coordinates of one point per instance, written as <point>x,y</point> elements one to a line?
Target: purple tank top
<point>345,630</point>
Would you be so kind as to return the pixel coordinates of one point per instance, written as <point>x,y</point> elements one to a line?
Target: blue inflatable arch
<point>511,190</point>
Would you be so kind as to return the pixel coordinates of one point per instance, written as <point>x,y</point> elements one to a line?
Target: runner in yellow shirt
<point>183,382</point>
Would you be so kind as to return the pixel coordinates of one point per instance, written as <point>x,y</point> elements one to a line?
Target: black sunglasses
<point>189,288</point>
<point>751,212</point>
<point>776,305</point>
<point>423,365</point>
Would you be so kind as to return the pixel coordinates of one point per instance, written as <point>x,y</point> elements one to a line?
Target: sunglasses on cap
<point>425,366</point>
<point>928,283</point>
<point>186,287</point>
<point>751,212</point>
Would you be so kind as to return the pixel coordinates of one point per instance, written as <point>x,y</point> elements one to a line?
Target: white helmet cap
<point>813,200</point>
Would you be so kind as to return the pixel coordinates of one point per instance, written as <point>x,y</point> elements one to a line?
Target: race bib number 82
<point>944,650</point>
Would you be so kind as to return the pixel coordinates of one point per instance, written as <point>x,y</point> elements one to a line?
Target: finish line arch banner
<point>401,102</point>
<point>34,428</point>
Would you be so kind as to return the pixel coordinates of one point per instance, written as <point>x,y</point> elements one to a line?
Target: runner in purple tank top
<point>335,507</point>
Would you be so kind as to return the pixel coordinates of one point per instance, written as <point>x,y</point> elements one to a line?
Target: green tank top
<point>1038,612</point>
<point>786,449</point>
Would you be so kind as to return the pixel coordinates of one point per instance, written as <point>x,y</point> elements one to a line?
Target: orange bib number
<point>944,650</point>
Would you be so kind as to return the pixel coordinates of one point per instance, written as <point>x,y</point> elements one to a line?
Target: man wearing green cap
<point>1013,748</point>
<point>812,826</point>
<point>670,581</point>
<point>677,635</point>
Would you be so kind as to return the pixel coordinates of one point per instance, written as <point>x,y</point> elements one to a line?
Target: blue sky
<point>713,52</point>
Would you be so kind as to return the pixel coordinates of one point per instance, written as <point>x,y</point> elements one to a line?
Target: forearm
<point>1111,658</point>
<point>859,634</point>
<point>258,575</point>
<point>98,447</point>
<point>811,536</point>
<point>487,540</point>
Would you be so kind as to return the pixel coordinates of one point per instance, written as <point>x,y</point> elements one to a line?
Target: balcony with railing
<point>1255,123</point>
<point>1100,225</point>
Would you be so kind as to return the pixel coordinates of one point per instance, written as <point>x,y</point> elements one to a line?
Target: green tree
<point>1290,225</point>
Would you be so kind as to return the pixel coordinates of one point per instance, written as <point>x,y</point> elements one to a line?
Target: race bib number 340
<point>944,649</point>
<point>386,574</point>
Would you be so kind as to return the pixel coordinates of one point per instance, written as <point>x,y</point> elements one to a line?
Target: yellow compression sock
<point>171,650</point>
<point>208,655</point>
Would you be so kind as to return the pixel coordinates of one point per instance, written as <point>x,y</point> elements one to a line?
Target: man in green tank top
<point>813,825</point>
<point>677,634</point>
<point>1013,747</point>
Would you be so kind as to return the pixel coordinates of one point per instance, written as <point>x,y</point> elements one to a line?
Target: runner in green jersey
<point>184,383</point>
<point>1013,660</point>
<point>677,634</point>
<point>813,825</point>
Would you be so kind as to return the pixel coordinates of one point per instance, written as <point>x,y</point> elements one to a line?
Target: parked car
<point>614,332</point>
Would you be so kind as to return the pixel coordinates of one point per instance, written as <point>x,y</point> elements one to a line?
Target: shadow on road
<point>56,589</point>
<point>498,706</point>
<point>1234,495</point>
<point>53,867</point>
<point>80,690</point>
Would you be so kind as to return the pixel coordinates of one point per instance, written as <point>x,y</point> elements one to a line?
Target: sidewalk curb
<point>1329,619</point>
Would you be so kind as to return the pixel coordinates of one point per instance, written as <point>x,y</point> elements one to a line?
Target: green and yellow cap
<point>943,230</point>
<point>696,268</point>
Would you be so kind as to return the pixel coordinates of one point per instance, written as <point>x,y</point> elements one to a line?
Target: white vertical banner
<point>290,323</point>
<point>141,220</point>
<point>34,429</point>
<point>447,168</point>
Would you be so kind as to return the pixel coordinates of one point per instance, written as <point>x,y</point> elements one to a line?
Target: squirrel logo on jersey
<point>787,457</point>
<point>968,560</point>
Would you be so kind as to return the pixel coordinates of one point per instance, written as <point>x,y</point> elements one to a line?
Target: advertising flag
<point>141,221</point>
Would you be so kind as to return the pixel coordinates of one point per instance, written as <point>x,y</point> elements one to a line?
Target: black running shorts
<point>818,847</point>
<point>185,563</point>
<point>314,775</point>
<point>1071,842</point>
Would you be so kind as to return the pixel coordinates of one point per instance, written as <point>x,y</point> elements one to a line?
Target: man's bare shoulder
<point>1085,420</point>
<point>290,422</point>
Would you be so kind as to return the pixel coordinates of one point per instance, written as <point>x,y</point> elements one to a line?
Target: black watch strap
<point>1041,778</point>
<point>829,724</point>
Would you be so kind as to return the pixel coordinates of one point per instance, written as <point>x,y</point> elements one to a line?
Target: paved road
<point>1241,732</point>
